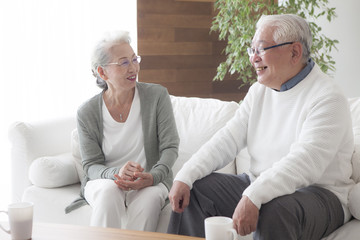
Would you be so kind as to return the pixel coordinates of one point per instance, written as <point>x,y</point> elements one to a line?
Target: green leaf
<point>236,20</point>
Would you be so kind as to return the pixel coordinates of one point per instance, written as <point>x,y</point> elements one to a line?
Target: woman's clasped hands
<point>132,177</point>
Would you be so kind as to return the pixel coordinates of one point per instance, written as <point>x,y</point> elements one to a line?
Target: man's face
<point>273,66</point>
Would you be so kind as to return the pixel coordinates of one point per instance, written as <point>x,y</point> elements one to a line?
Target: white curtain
<point>45,48</point>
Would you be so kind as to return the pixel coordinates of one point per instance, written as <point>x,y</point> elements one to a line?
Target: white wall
<point>346,29</point>
<point>45,50</point>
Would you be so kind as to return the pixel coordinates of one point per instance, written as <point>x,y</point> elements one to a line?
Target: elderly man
<point>296,125</point>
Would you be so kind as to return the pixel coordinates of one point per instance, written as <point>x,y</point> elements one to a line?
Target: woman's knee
<point>151,196</point>
<point>103,191</point>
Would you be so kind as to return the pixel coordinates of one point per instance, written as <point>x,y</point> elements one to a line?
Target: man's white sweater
<point>296,138</point>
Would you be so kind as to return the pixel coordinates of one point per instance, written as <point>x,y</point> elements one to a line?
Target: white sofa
<point>45,160</point>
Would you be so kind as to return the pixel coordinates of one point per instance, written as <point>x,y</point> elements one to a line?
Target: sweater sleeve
<point>220,150</point>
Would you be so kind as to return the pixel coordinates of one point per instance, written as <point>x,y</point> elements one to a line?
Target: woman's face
<point>123,75</point>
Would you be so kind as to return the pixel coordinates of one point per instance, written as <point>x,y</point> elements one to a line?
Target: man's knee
<point>206,181</point>
<point>309,213</point>
<point>278,219</point>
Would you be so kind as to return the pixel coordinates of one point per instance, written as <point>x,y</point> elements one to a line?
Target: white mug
<point>220,228</point>
<point>20,220</point>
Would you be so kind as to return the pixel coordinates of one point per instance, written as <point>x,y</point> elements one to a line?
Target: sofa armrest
<point>31,140</point>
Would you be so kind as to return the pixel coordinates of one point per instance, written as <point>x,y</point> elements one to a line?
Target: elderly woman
<point>128,141</point>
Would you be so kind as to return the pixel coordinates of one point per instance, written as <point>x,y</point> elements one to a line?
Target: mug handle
<point>234,233</point>
<point>8,231</point>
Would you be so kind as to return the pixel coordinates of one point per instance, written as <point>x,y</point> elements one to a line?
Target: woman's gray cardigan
<point>161,140</point>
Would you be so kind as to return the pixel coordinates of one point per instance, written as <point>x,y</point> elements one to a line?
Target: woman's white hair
<point>289,28</point>
<point>101,54</point>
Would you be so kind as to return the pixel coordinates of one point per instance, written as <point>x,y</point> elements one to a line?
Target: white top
<point>124,142</point>
<point>295,138</point>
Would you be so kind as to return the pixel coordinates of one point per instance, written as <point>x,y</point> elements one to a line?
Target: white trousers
<point>135,210</point>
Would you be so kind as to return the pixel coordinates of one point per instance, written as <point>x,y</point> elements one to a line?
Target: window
<point>45,49</point>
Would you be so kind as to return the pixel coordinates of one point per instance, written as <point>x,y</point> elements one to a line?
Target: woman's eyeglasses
<point>125,62</point>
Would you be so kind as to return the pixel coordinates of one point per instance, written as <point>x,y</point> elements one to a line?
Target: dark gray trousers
<point>309,213</point>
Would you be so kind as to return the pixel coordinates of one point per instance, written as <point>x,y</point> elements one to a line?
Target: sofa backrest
<point>197,120</point>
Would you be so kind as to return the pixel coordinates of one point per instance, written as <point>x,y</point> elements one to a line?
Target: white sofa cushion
<point>349,231</point>
<point>50,204</point>
<point>53,171</point>
<point>356,160</point>
<point>197,120</point>
<point>355,114</point>
<point>75,150</point>
<point>354,196</point>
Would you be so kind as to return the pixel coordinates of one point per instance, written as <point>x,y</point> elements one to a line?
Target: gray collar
<point>300,76</point>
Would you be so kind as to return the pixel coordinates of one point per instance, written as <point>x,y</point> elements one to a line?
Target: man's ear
<point>296,52</point>
<point>102,73</point>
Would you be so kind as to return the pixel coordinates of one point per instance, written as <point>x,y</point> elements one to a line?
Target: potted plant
<point>235,22</point>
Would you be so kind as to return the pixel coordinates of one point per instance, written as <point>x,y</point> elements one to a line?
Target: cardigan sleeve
<point>168,139</point>
<point>89,126</point>
<point>161,140</point>
<point>220,150</point>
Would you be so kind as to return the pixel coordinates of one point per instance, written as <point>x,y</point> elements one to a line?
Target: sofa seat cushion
<point>50,203</point>
<point>53,171</point>
<point>350,230</point>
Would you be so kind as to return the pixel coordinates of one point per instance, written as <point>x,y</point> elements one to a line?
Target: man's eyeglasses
<point>260,51</point>
<point>125,63</point>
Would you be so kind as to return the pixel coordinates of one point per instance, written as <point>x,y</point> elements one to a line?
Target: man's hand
<point>179,196</point>
<point>245,217</point>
